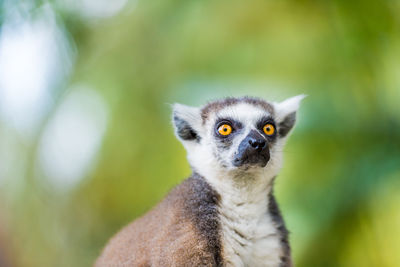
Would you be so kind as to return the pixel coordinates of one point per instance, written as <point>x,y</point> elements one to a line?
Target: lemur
<point>225,214</point>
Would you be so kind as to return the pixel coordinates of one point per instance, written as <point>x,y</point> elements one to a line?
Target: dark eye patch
<point>224,142</point>
<point>236,126</point>
<point>266,120</point>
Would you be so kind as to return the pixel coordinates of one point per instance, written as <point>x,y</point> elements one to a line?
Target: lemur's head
<point>236,135</point>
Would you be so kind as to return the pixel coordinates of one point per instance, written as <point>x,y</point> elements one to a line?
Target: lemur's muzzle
<point>253,150</point>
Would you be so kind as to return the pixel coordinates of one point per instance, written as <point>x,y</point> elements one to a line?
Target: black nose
<point>258,144</point>
<point>253,150</point>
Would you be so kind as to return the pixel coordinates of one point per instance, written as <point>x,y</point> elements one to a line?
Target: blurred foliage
<point>340,186</point>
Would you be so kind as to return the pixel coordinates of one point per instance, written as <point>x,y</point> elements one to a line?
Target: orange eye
<point>269,129</point>
<point>225,129</point>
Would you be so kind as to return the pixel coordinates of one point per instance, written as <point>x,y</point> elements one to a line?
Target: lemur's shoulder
<point>181,230</point>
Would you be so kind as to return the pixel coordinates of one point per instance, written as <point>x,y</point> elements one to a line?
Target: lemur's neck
<point>247,194</point>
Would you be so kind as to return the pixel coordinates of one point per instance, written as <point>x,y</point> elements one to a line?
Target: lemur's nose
<point>257,144</point>
<point>253,150</point>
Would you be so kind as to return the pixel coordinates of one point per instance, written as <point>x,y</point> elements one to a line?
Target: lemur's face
<point>241,135</point>
<point>234,134</point>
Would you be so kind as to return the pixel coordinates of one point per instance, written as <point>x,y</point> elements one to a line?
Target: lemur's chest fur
<point>249,237</point>
<point>252,232</point>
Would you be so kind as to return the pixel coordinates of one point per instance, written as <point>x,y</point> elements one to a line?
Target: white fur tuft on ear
<point>186,112</point>
<point>288,106</point>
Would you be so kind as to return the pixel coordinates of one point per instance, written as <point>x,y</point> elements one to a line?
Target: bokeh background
<point>86,143</point>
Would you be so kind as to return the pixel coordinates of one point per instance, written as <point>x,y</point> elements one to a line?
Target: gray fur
<point>287,124</point>
<point>277,218</point>
<point>184,130</point>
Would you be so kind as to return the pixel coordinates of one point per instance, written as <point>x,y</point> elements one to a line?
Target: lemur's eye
<point>269,129</point>
<point>225,129</point>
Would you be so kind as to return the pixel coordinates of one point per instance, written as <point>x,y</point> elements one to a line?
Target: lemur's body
<point>225,214</point>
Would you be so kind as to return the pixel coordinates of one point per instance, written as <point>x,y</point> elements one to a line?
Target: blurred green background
<point>86,143</point>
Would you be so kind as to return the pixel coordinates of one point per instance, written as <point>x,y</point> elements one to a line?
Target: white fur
<point>287,106</point>
<point>249,236</point>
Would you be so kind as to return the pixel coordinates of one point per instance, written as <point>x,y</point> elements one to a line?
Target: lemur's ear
<point>187,123</point>
<point>286,114</point>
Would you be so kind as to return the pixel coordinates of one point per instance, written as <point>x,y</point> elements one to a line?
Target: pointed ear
<point>187,123</point>
<point>286,114</point>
